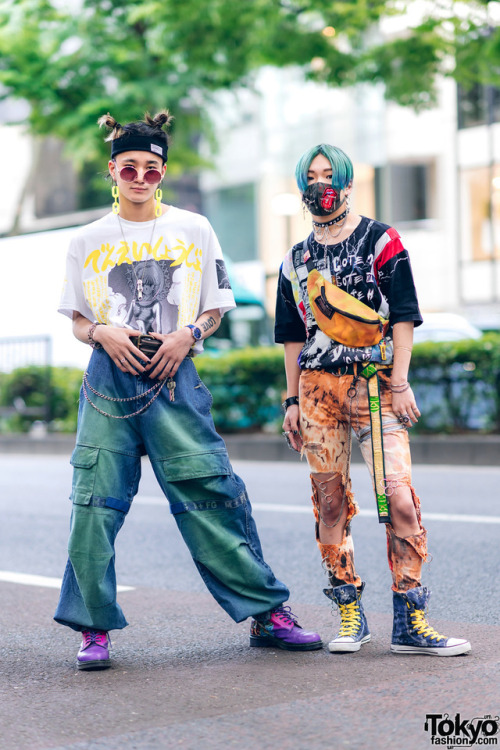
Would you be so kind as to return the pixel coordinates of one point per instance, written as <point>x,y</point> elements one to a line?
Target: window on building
<point>478,105</point>
<point>403,192</point>
<point>231,211</point>
<point>481,196</point>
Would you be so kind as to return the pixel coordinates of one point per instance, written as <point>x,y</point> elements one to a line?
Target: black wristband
<point>293,400</point>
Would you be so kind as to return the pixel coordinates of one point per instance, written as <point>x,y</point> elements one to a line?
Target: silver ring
<point>287,433</point>
<point>123,360</point>
<point>403,418</point>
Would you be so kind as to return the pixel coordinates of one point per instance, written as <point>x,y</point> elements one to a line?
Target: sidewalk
<point>463,450</point>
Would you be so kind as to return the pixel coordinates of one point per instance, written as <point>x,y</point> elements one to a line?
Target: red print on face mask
<point>328,198</point>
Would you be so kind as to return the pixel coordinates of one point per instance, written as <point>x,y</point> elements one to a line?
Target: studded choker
<point>336,220</point>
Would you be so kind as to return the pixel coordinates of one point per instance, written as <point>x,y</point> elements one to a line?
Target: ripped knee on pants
<point>332,500</point>
<point>403,501</point>
<point>392,483</point>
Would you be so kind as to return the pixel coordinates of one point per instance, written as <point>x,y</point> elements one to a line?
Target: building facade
<point>435,176</point>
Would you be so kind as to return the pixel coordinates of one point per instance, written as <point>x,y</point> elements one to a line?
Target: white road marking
<point>366,512</point>
<point>372,513</point>
<point>31,580</point>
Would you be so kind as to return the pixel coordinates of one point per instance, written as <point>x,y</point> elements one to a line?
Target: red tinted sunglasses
<point>151,176</point>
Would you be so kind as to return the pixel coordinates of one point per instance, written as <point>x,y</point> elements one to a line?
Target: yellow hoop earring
<point>158,197</point>
<point>115,192</point>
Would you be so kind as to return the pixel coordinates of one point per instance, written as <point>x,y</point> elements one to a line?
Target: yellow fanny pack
<point>340,315</point>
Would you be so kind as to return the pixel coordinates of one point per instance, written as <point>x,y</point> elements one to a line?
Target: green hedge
<point>52,391</point>
<point>247,386</point>
<point>457,386</point>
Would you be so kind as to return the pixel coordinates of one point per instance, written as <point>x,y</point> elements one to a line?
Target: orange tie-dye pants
<point>325,412</point>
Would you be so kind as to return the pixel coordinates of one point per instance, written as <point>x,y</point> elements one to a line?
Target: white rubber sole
<point>347,647</point>
<point>456,650</point>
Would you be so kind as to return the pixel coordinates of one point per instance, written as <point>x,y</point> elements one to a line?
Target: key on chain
<point>171,389</point>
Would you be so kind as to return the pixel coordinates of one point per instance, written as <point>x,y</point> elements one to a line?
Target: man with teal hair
<point>345,312</point>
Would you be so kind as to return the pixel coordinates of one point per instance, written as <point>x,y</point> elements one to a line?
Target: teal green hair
<point>342,169</point>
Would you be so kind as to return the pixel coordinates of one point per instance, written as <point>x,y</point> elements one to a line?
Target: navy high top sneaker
<point>353,630</point>
<point>412,634</point>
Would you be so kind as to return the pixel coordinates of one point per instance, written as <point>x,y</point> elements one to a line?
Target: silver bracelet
<point>399,388</point>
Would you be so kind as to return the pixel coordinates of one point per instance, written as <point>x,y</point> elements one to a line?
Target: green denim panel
<point>91,552</point>
<point>213,533</point>
<point>194,465</point>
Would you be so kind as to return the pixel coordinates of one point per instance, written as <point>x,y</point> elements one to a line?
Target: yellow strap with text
<point>370,373</point>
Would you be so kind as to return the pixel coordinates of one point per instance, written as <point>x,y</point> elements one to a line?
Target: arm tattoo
<point>208,324</point>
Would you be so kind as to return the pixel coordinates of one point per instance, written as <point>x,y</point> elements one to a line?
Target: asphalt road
<point>183,674</point>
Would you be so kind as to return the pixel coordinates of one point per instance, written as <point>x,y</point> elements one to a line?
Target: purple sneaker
<point>94,651</point>
<point>281,630</point>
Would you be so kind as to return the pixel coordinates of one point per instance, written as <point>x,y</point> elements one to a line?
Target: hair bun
<point>159,120</point>
<point>107,121</point>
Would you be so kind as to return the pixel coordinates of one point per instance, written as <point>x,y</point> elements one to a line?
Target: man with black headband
<point>145,285</point>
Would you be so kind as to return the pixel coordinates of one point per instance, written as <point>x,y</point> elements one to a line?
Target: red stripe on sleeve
<point>392,248</point>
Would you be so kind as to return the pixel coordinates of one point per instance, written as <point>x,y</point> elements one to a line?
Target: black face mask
<point>321,199</point>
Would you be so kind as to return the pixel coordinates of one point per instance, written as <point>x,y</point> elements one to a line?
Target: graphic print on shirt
<point>144,287</point>
<point>140,294</point>
<point>350,266</point>
<point>173,258</point>
<point>371,265</point>
<point>222,275</point>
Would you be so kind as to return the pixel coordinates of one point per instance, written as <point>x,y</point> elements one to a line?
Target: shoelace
<point>350,618</point>
<point>422,627</point>
<point>99,637</point>
<point>285,616</point>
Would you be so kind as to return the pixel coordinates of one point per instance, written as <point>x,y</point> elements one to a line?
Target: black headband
<point>153,144</point>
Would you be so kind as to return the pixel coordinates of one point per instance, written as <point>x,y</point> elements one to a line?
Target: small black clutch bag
<point>147,344</point>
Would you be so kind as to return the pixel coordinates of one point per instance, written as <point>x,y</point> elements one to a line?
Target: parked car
<point>445,327</point>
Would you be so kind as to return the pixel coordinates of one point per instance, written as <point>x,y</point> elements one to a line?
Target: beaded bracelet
<point>90,336</point>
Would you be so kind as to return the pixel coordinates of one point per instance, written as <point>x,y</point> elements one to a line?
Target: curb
<point>461,450</point>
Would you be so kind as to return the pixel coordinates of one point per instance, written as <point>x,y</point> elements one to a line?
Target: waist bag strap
<point>370,373</point>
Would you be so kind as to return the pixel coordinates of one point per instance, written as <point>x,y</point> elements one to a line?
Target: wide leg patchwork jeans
<point>209,502</point>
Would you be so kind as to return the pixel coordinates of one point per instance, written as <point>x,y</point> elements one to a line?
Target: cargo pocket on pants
<point>93,532</point>
<point>84,462</point>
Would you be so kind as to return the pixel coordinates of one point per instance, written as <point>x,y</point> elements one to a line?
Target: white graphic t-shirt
<point>146,276</point>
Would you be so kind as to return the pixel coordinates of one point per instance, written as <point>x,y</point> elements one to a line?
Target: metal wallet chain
<point>156,387</point>
<point>351,393</point>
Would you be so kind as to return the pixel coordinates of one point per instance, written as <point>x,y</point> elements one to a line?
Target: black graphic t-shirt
<point>371,265</point>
